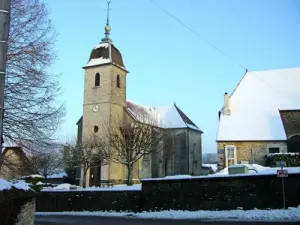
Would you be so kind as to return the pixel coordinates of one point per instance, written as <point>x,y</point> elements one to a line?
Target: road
<point>95,220</point>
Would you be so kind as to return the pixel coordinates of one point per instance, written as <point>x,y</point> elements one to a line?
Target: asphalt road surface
<point>96,220</point>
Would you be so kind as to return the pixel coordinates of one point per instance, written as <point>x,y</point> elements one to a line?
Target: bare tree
<point>131,141</point>
<point>31,111</point>
<point>91,153</point>
<point>46,163</point>
<point>4,31</point>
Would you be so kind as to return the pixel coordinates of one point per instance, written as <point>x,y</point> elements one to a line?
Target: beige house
<point>15,163</point>
<point>261,116</point>
<point>105,102</point>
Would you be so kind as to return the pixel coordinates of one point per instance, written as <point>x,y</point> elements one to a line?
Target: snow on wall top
<point>255,106</point>
<point>5,185</point>
<point>165,117</point>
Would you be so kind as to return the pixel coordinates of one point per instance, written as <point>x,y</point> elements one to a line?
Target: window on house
<point>118,81</point>
<point>274,150</point>
<point>97,79</point>
<point>230,155</point>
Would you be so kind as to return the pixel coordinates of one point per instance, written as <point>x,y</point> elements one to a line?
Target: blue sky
<point>167,62</point>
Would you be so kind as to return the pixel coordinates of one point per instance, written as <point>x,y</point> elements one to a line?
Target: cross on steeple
<point>108,9</point>
<point>107,27</point>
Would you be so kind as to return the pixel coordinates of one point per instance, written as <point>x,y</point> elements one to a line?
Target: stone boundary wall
<point>214,193</point>
<point>221,193</point>
<point>17,207</point>
<point>57,201</point>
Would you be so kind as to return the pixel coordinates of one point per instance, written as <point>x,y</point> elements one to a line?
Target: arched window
<point>97,79</point>
<point>118,81</point>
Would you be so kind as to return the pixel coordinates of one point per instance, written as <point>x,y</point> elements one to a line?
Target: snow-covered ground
<point>69,187</point>
<point>291,214</point>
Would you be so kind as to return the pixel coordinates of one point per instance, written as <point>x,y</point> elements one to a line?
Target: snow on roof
<point>30,148</point>
<point>165,117</point>
<point>255,106</point>
<point>105,53</point>
<point>57,175</point>
<point>99,61</point>
<point>105,45</point>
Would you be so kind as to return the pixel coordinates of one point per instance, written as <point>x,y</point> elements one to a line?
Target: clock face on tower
<point>95,108</point>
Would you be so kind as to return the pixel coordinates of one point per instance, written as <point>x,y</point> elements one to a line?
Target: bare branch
<point>31,111</point>
<point>92,152</point>
<point>130,141</point>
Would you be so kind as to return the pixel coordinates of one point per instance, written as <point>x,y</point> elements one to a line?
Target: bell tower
<point>104,95</point>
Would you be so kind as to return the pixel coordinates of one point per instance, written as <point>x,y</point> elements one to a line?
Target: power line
<point>274,89</point>
<point>199,36</point>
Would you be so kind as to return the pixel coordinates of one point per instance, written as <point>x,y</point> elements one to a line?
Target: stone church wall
<point>195,152</point>
<point>181,154</point>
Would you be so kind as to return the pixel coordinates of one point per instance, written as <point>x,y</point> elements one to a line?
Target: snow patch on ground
<point>290,214</point>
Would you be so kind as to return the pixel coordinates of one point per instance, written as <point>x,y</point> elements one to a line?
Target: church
<point>105,97</point>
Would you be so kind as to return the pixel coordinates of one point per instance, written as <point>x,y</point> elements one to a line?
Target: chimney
<point>226,104</point>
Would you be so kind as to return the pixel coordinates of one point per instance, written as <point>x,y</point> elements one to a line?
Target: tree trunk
<point>84,178</point>
<point>46,178</point>
<point>4,30</point>
<point>129,175</point>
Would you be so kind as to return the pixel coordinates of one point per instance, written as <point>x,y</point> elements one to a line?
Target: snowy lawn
<point>291,214</point>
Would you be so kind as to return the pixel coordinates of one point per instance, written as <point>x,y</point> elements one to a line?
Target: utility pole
<point>4,31</point>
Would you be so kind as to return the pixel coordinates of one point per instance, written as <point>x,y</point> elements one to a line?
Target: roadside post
<point>282,173</point>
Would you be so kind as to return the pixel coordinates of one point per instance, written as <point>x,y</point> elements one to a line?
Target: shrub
<point>291,159</point>
<point>33,179</point>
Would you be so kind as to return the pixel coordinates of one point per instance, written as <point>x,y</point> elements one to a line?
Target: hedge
<point>291,159</point>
